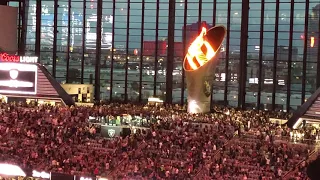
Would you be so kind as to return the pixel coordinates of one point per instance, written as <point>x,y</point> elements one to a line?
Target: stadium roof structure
<point>309,111</point>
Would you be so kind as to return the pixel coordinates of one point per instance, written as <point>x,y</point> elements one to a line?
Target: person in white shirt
<point>267,139</point>
<point>267,161</point>
<point>279,172</point>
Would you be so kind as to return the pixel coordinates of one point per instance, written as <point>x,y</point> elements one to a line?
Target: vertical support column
<point>184,37</point>
<point>225,98</point>
<point>55,32</point>
<point>305,52</point>
<point>214,15</point>
<point>127,53</point>
<point>38,29</point>
<point>68,41</point>
<point>98,52</point>
<point>243,54</point>
<point>170,51</point>
<point>84,29</point>
<point>112,48</point>
<point>318,62</point>
<point>275,56</point>
<point>20,11</point>
<point>260,78</point>
<point>199,16</point>
<point>141,51</point>
<point>24,18</point>
<point>290,55</point>
<point>156,51</point>
<point>23,30</point>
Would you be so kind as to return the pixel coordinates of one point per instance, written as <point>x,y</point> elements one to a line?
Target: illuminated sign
<point>42,174</point>
<point>4,57</point>
<point>101,178</point>
<point>11,170</point>
<point>200,51</point>
<point>111,132</point>
<point>152,99</point>
<point>16,78</point>
<point>84,178</point>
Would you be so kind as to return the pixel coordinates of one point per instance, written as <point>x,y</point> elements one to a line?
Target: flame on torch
<point>200,51</point>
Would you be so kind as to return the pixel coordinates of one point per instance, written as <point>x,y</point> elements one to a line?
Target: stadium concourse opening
<point>22,79</point>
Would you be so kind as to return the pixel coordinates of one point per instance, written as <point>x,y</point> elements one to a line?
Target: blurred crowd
<point>225,144</point>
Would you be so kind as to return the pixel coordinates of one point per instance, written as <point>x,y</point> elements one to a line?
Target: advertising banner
<point>8,29</point>
<point>84,178</point>
<point>111,131</point>
<point>16,78</point>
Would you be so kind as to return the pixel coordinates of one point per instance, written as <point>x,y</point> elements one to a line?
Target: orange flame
<point>195,56</point>
<point>312,42</point>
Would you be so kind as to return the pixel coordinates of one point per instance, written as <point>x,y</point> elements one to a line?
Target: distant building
<point>178,49</point>
<point>149,48</point>
<point>283,53</point>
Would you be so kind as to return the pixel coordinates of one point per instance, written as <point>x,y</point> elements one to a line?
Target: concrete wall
<point>8,29</point>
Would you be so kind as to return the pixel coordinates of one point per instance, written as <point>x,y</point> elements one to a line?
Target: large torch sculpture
<point>199,65</point>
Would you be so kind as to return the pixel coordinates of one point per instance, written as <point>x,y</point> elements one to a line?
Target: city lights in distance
<point>312,42</point>
<point>302,36</point>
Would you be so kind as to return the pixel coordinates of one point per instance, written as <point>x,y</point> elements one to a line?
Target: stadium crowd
<point>225,144</point>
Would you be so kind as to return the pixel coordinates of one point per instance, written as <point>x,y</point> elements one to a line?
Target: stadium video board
<point>18,78</point>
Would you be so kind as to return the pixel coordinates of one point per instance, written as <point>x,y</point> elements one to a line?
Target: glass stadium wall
<point>269,60</point>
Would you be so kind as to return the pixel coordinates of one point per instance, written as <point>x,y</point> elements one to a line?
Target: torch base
<point>195,107</point>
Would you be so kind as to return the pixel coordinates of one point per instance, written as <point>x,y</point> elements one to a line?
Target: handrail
<point>294,170</point>
<point>287,175</point>
<point>116,169</point>
<point>123,160</point>
<point>214,155</point>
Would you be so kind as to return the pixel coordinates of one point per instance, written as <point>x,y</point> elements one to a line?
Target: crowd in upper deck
<point>225,144</point>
